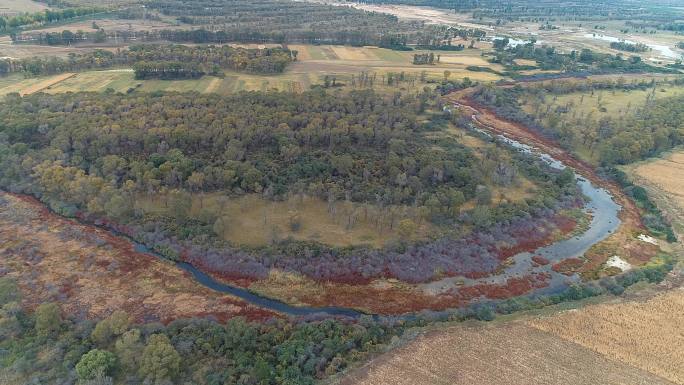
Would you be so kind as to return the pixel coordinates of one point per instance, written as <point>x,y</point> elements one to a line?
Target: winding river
<point>604,221</point>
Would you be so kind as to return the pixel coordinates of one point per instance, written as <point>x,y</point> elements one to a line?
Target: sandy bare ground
<point>503,354</point>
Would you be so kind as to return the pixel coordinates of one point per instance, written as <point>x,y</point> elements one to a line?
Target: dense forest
<point>151,60</point>
<point>90,154</point>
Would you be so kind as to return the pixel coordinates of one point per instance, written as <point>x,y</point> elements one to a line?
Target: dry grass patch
<point>647,335</point>
<point>254,221</point>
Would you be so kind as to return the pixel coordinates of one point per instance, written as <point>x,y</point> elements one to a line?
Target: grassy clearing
<point>613,103</point>
<point>254,221</point>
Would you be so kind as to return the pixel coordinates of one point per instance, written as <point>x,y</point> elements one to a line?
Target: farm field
<point>513,353</point>
<point>313,65</point>
<point>93,273</point>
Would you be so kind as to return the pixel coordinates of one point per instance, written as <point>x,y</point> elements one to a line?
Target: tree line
<point>629,47</point>
<point>160,60</point>
<point>11,23</point>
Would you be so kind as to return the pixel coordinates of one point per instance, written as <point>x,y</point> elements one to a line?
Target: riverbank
<point>624,241</point>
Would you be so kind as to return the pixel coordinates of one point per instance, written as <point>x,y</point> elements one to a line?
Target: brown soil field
<point>500,354</point>
<point>646,335</point>
<point>92,273</point>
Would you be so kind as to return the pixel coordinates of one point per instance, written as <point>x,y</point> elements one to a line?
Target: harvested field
<point>504,354</point>
<point>91,273</point>
<point>646,335</point>
<point>47,83</point>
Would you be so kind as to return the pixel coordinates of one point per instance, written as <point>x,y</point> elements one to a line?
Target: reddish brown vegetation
<point>568,266</point>
<point>513,287</point>
<point>540,261</point>
<point>91,272</point>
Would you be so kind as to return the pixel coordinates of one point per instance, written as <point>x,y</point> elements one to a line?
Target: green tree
<point>128,349</point>
<point>96,363</point>
<point>407,229</point>
<point>160,361</point>
<point>119,207</point>
<point>9,292</point>
<point>180,203</point>
<point>111,327</point>
<point>48,318</point>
